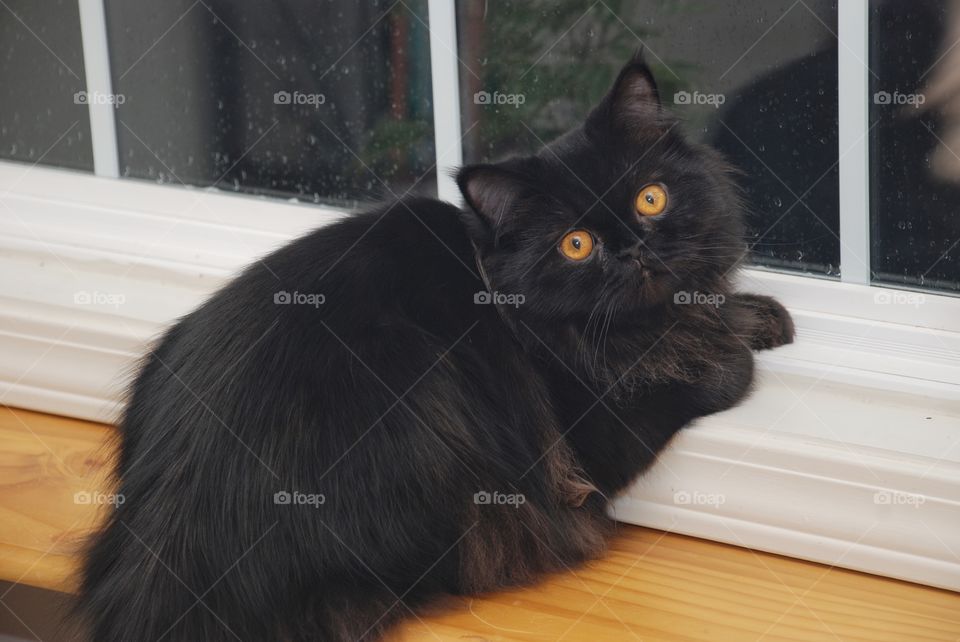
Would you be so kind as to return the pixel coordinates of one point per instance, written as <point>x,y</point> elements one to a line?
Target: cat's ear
<point>490,192</point>
<point>633,103</point>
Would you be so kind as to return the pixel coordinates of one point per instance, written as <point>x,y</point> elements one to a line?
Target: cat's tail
<point>138,586</point>
<point>132,592</point>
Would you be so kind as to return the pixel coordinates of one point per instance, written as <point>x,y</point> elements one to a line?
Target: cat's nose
<point>635,252</point>
<point>639,255</point>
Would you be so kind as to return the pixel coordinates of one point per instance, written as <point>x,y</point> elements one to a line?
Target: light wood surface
<point>661,586</point>
<point>45,461</point>
<point>650,586</point>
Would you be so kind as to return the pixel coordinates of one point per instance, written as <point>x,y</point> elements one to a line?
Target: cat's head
<point>622,211</point>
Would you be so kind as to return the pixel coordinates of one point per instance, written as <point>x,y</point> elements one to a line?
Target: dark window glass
<point>757,79</point>
<point>322,100</point>
<point>915,143</point>
<point>43,115</point>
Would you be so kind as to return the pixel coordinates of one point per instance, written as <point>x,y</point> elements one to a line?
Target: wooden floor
<point>651,585</point>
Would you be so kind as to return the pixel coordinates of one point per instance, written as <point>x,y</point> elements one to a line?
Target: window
<point>324,101</point>
<point>333,102</point>
<point>43,110</point>
<point>915,142</point>
<point>760,83</point>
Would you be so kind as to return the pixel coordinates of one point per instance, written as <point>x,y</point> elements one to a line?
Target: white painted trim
<point>880,304</point>
<point>874,337</point>
<point>96,61</point>
<point>165,248</point>
<point>143,255</point>
<point>854,127</point>
<point>445,80</point>
<point>847,504</point>
<point>182,233</point>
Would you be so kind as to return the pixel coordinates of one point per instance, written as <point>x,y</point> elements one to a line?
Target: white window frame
<point>165,248</point>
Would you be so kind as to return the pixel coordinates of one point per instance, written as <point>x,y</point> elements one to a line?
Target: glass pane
<point>43,116</point>
<point>757,79</point>
<point>324,101</point>
<point>915,143</point>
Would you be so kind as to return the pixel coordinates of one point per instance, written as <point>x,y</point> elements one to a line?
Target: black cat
<point>421,401</point>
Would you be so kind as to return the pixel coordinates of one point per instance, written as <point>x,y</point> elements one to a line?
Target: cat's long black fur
<point>392,410</point>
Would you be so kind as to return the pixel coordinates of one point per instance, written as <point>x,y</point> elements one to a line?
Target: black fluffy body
<point>399,398</point>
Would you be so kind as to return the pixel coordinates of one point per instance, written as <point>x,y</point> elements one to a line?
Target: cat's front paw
<point>774,324</point>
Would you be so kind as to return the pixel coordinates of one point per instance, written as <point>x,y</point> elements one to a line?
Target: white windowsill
<point>801,483</point>
<point>839,474</point>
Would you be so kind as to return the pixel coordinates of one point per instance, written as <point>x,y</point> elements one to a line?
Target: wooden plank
<point>650,586</point>
<point>660,586</point>
<point>49,468</point>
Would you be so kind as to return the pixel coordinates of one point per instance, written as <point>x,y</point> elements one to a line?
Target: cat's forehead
<point>590,171</point>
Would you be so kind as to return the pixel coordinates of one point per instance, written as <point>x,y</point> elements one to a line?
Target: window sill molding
<point>791,488</point>
<point>805,492</point>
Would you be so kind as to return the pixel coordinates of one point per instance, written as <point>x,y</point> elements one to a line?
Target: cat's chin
<point>651,288</point>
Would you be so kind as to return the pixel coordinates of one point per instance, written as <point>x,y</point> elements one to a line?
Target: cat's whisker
<point>586,328</point>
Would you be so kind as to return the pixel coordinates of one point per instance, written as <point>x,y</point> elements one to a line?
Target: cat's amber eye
<point>577,245</point>
<point>651,200</point>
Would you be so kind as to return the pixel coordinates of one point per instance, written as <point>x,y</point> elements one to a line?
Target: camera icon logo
<point>281,498</point>
<point>482,98</point>
<point>882,98</point>
<point>681,497</point>
<point>482,298</point>
<point>282,98</point>
<point>482,498</point>
<point>80,98</point>
<point>682,298</point>
<point>682,98</point>
<point>282,297</point>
